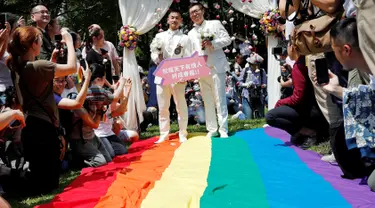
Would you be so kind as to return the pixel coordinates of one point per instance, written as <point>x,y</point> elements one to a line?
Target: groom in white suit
<point>212,87</point>
<point>173,44</point>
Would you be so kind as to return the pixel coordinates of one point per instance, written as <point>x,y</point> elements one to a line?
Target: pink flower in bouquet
<point>217,16</point>
<point>243,1</point>
<point>227,51</point>
<point>230,3</point>
<point>217,6</point>
<point>161,30</point>
<point>122,44</point>
<point>230,12</point>
<point>245,26</point>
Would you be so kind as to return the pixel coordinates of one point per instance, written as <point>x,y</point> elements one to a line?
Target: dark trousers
<point>285,118</point>
<point>349,161</point>
<point>42,149</point>
<point>291,120</point>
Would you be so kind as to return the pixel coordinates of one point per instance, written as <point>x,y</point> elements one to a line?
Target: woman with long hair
<point>96,52</point>
<point>34,85</point>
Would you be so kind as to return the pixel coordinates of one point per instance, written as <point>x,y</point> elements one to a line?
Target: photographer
<point>253,82</point>
<point>74,81</point>
<point>285,80</point>
<point>352,151</point>
<point>84,142</point>
<point>34,84</point>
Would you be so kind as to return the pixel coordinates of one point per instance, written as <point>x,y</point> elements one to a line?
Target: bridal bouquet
<point>268,22</point>
<point>156,46</point>
<point>207,36</point>
<point>128,36</point>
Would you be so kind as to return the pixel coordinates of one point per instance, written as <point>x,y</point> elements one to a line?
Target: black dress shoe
<point>309,142</point>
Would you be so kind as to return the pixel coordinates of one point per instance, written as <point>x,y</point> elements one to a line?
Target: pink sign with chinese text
<point>182,69</point>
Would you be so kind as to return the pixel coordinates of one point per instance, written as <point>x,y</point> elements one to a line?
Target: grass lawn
<point>67,178</point>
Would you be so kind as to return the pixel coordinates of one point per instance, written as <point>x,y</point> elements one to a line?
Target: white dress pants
<point>214,98</point>
<point>164,98</point>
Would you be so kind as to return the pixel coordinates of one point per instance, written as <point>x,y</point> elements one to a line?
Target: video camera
<point>280,50</point>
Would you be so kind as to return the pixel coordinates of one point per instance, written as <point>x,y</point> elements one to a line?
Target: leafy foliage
<point>79,14</point>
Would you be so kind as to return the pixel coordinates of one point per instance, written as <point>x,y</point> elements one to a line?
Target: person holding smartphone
<point>34,83</point>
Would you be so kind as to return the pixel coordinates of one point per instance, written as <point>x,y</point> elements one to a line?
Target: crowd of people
<point>63,100</point>
<point>61,107</point>
<point>334,104</point>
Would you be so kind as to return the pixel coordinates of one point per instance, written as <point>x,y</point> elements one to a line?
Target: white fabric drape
<point>144,15</point>
<point>273,87</point>
<point>255,8</point>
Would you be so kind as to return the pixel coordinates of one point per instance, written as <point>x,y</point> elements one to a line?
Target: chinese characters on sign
<point>182,69</point>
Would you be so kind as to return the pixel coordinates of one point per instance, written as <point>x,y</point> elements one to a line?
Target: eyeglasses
<point>42,12</point>
<point>195,11</point>
<point>63,82</point>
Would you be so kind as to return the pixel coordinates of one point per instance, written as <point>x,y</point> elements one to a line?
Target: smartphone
<point>103,51</point>
<point>116,77</point>
<point>15,124</point>
<point>82,62</point>
<point>277,50</point>
<point>321,66</point>
<point>58,39</point>
<point>2,23</point>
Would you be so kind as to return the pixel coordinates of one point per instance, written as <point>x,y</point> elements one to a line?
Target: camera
<point>58,39</point>
<point>280,50</point>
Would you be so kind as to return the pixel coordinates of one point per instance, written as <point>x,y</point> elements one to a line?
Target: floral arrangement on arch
<point>128,37</point>
<point>269,23</point>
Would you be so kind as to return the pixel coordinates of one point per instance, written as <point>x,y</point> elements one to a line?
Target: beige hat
<point>255,58</point>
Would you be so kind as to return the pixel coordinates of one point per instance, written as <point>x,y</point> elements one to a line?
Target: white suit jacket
<point>216,57</point>
<point>170,39</point>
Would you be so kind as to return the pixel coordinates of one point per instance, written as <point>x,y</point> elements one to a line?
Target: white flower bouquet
<point>206,36</point>
<point>156,46</point>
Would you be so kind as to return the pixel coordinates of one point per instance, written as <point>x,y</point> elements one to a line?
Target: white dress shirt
<point>170,40</point>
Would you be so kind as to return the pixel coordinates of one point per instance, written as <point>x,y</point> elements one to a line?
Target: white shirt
<point>289,26</point>
<point>5,77</point>
<point>170,40</point>
<point>105,127</point>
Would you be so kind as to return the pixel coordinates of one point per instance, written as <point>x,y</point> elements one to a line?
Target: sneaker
<point>212,134</point>
<point>183,139</point>
<point>329,158</point>
<point>161,139</point>
<point>223,135</point>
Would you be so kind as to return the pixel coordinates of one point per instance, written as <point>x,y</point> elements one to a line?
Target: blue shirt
<point>57,97</point>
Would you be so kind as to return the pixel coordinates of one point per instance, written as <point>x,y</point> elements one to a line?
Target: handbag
<point>313,36</point>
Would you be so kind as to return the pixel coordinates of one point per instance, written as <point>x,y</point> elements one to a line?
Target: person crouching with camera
<point>293,113</point>
<point>84,143</point>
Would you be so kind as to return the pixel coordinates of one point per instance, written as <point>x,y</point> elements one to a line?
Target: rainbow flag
<point>255,168</point>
